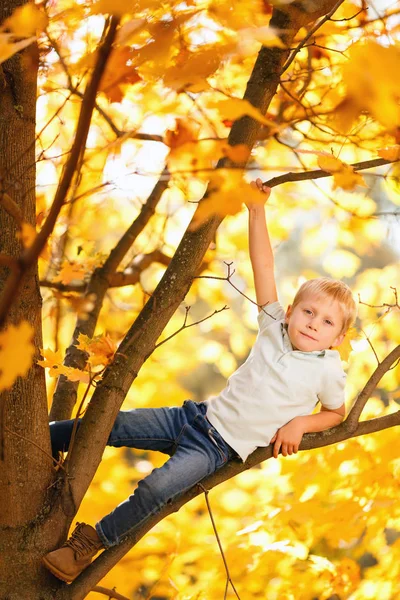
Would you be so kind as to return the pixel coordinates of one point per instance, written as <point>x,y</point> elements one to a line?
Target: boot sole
<point>55,571</point>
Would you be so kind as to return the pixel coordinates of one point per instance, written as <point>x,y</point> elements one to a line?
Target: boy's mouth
<point>308,336</point>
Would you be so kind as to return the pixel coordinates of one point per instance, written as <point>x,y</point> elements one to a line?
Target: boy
<point>267,400</point>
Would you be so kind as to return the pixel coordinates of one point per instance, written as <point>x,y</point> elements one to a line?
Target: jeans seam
<point>222,453</point>
<point>176,441</point>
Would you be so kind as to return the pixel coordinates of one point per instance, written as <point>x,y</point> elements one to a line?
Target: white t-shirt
<point>274,385</point>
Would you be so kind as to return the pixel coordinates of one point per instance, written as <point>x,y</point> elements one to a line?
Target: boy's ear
<point>339,340</point>
<point>288,313</point>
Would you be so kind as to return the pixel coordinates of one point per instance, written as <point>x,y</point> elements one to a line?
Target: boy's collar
<point>288,344</point>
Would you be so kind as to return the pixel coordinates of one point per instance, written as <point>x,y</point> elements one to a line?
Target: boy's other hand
<point>258,184</point>
<point>288,438</point>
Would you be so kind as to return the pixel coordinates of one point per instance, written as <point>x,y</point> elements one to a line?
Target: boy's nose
<point>312,325</point>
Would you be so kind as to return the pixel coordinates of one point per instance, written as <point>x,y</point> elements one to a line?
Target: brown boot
<point>76,554</point>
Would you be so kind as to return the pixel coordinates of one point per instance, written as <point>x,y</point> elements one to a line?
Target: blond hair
<point>337,290</point>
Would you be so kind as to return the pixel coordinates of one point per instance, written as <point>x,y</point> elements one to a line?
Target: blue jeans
<point>184,433</point>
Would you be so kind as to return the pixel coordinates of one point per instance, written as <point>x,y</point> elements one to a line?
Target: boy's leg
<point>200,452</point>
<point>143,428</point>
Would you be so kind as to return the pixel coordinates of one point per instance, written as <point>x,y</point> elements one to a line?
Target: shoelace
<point>80,543</point>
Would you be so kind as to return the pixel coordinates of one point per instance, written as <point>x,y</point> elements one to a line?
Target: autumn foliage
<point>152,119</point>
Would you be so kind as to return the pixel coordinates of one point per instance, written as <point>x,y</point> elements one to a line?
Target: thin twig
<point>110,593</point>
<point>22,437</point>
<point>309,35</point>
<point>228,576</point>
<point>184,326</point>
<point>228,279</point>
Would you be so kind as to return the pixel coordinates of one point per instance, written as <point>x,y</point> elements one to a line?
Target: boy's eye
<point>328,321</point>
<point>307,311</point>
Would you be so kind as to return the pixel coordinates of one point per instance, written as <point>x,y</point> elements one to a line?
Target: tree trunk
<point>25,471</point>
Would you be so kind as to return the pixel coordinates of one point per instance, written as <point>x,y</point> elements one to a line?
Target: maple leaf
<point>191,69</point>
<point>390,153</point>
<point>238,154</point>
<point>344,175</point>
<point>52,361</point>
<point>75,375</point>
<point>118,73</point>
<point>101,349</point>
<point>16,353</point>
<point>370,87</point>
<point>26,20</point>
<point>345,347</point>
<point>121,7</point>
<point>70,271</point>
<point>235,108</point>
<point>183,133</point>
<point>226,193</point>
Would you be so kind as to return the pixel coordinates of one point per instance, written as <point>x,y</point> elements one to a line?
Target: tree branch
<point>319,173</point>
<point>381,369</point>
<point>66,392</point>
<point>31,254</point>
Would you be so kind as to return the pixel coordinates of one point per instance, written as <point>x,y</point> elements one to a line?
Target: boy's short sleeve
<point>271,313</point>
<point>333,383</point>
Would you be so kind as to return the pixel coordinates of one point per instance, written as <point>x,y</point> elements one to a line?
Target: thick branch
<point>65,395</point>
<point>31,254</point>
<point>382,368</point>
<point>81,586</point>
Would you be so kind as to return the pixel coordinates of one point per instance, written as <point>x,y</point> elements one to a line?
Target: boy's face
<point>315,324</point>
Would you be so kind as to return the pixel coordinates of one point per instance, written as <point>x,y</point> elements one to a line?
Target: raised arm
<point>261,255</point>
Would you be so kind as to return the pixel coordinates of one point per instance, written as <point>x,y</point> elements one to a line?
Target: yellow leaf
<point>75,374</point>
<point>371,87</point>
<point>27,234</point>
<point>329,163</point>
<point>237,154</point>
<point>117,73</point>
<point>347,178</point>
<point>26,20</point>
<point>344,175</point>
<point>345,347</point>
<point>251,38</point>
<point>184,132</point>
<point>8,46</point>
<point>226,193</point>
<point>390,153</point>
<point>191,69</point>
<point>82,305</point>
<point>121,7</point>
<point>52,361</point>
<point>200,154</point>
<point>235,108</point>
<point>71,271</point>
<point>101,349</point>
<point>16,353</point>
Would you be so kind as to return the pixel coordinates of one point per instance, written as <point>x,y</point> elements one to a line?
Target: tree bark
<point>24,474</point>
